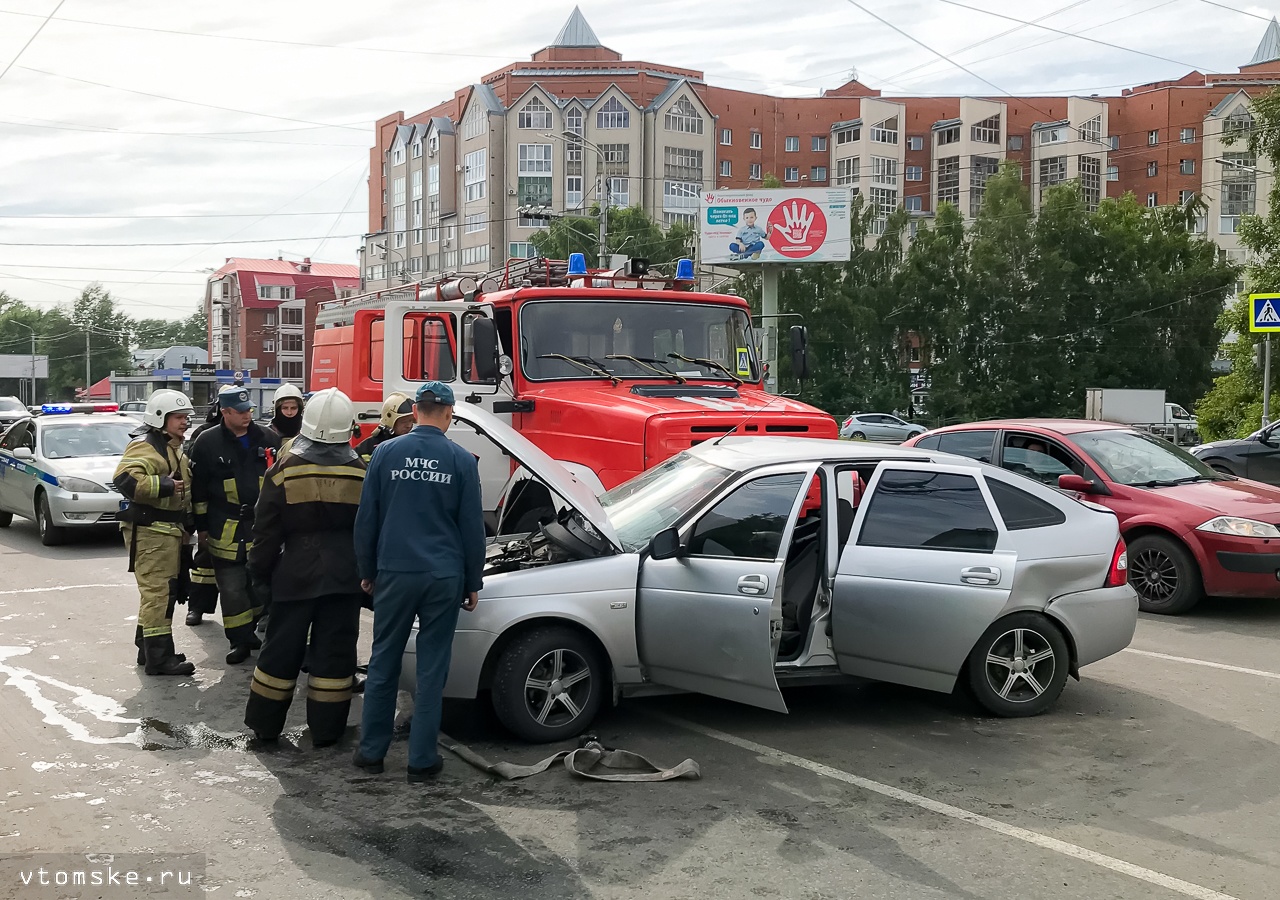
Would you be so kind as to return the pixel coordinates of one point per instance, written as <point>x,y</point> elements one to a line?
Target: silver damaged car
<point>751,564</point>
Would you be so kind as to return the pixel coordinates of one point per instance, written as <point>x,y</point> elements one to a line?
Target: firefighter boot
<point>142,657</point>
<point>161,659</point>
<point>194,616</point>
<point>239,653</point>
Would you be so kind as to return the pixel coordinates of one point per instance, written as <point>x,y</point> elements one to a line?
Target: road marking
<point>954,812</point>
<point>63,587</point>
<point>1261,673</point>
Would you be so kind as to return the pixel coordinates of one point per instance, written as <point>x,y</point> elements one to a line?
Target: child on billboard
<point>749,241</point>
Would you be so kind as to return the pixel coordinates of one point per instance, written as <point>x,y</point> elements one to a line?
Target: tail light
<point>1118,576</point>
<point>847,422</point>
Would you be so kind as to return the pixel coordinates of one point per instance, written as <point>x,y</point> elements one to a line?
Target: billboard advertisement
<point>775,225</point>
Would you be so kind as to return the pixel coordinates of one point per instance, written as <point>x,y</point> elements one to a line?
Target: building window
<point>683,118</point>
<point>885,132</point>
<point>613,115</point>
<point>949,135</point>
<point>818,144</point>
<point>268,346</point>
<point>433,181</point>
<point>533,159</point>
<point>397,154</point>
<point>1226,224</point>
<point>1153,138</point>
<point>1153,169</point>
<point>474,167</point>
<point>913,204</point>
<point>474,255</point>
<point>1238,124</point>
<point>415,264</point>
<point>1091,181</point>
<point>1091,131</point>
<point>1198,225</point>
<point>1053,170</point>
<point>884,170</point>
<point>433,144</point>
<point>476,122</point>
<point>755,140</point>
<point>1051,136</point>
<point>1185,197</point>
<point>417,235</point>
<point>726,169</point>
<point>291,369</point>
<point>980,169</point>
<point>1186,167</point>
<point>416,149</point>
<point>573,121</point>
<point>1188,136</point>
<point>617,157</point>
<point>949,181</point>
<point>417,213</point>
<point>573,198</point>
<point>472,224</point>
<point>915,173</point>
<point>399,240</point>
<point>1153,199</point>
<point>291,343</point>
<point>755,172</point>
<point>677,218</point>
<point>433,234</point>
<point>817,173</point>
<point>791,173</point>
<point>534,115</point>
<point>847,170</point>
<point>680,196</point>
<point>848,135</point>
<point>1113,173</point>
<point>683,164</point>
<point>1015,142</point>
<point>792,144</point>
<point>915,143</point>
<point>416,183</point>
<point>987,131</point>
<point>884,201</point>
<point>726,137</point>
<point>619,191</point>
<point>521,250</point>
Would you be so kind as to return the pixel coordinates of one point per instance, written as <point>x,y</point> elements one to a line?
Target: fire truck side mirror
<point>800,352</point>
<point>484,338</point>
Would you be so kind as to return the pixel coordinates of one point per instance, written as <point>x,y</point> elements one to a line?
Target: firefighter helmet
<point>395,407</point>
<point>328,417</point>
<point>286,391</point>
<point>162,404</point>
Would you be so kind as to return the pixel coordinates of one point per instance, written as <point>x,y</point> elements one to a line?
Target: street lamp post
<point>573,138</point>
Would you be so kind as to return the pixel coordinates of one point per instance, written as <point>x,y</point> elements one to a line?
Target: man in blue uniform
<point>420,547</point>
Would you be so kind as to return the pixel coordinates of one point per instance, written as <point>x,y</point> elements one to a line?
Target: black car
<point>11,410</point>
<point>1256,457</point>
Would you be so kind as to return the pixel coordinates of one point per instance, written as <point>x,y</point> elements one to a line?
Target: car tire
<point>1002,677</point>
<point>6,519</point>
<point>857,436</point>
<point>1164,575</point>
<point>532,658</point>
<point>50,535</point>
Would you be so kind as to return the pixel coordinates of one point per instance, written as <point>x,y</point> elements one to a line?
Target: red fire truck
<point>608,372</point>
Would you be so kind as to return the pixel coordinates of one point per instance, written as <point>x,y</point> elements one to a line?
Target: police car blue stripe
<point>27,468</point>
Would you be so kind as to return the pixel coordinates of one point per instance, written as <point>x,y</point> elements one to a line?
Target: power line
<point>34,35</point>
<point>1243,12</point>
<point>342,212</point>
<point>277,240</point>
<point>203,137</point>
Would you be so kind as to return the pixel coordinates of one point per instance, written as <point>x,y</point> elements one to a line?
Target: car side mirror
<point>1077,484</point>
<point>800,352</point>
<point>666,545</point>
<point>23,453</point>
<point>1267,437</point>
<point>484,341</point>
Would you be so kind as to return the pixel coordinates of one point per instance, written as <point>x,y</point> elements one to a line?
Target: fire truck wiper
<point>596,369</point>
<point>645,362</point>
<point>709,363</point>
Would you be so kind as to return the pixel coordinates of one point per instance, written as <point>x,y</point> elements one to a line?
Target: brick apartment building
<point>262,313</point>
<point>577,123</point>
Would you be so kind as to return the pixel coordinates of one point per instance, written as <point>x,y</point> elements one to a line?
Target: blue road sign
<point>1265,312</point>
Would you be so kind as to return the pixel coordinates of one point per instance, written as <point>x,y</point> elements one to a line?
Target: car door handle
<point>980,575</point>
<point>753,584</point>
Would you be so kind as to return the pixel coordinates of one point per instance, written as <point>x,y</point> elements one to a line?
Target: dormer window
<point>534,115</point>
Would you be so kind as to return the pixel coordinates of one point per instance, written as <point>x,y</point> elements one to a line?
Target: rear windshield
<point>8,404</point>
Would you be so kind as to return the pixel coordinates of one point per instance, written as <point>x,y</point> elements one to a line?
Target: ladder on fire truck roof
<point>534,272</point>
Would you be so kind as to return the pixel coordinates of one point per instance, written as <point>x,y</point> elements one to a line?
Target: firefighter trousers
<point>333,622</point>
<point>202,593</point>
<point>157,558</point>
<point>240,609</point>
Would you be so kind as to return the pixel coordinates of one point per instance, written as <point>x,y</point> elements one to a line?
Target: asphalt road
<point>1157,776</point>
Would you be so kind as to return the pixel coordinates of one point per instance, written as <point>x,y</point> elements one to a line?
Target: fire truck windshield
<point>599,332</point>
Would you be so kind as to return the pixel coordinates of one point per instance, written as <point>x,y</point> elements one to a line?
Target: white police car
<point>56,468</point>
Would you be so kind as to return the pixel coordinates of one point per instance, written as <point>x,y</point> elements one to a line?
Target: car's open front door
<point>710,619</point>
<point>927,568</point>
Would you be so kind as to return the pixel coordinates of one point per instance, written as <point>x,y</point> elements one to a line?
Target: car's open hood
<point>559,479</point>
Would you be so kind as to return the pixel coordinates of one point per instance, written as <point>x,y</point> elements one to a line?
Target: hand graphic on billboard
<point>798,219</point>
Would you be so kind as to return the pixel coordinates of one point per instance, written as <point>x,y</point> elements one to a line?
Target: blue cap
<point>235,398</point>
<point>435,392</point>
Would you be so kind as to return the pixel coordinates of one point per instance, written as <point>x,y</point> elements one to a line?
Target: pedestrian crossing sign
<point>1265,312</point>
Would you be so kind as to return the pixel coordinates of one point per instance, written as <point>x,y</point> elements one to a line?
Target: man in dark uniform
<point>202,589</point>
<point>420,547</point>
<point>302,547</point>
<point>227,467</point>
<point>395,419</point>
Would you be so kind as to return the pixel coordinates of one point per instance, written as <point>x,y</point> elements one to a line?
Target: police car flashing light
<point>62,409</point>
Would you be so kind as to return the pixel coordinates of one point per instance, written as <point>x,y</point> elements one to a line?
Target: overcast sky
<point>206,128</point>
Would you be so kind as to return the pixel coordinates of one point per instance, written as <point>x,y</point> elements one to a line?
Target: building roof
<point>671,90</point>
<point>1269,48</point>
<point>576,32</point>
<point>287,267</point>
<point>1229,101</point>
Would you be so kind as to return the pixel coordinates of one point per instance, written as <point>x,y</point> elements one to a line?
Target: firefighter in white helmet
<point>155,477</point>
<point>396,419</point>
<point>302,546</point>
<point>286,422</point>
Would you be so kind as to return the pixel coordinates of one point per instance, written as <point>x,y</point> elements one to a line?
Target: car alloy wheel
<point>857,436</point>
<point>548,684</point>
<point>1019,666</point>
<point>50,535</point>
<point>557,688</point>
<point>1163,574</point>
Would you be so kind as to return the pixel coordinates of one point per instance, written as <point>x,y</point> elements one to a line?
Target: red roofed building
<point>262,313</point>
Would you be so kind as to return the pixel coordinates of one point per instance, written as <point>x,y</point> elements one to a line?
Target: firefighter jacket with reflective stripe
<point>225,480</point>
<point>366,447</point>
<point>145,476</point>
<point>302,529</point>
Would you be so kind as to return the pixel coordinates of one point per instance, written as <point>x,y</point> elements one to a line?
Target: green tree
<point>630,232</point>
<point>770,181</point>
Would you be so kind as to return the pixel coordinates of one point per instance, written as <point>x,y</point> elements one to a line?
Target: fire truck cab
<point>608,373</point>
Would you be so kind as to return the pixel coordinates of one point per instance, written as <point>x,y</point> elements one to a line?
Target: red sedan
<point>1191,531</point>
